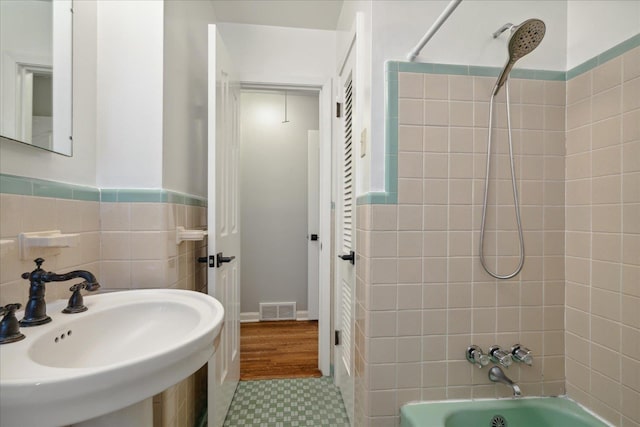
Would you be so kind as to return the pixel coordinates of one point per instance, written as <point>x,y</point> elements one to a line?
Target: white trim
<point>250,317</point>
<point>350,46</point>
<point>313,219</point>
<point>325,89</point>
<point>324,285</point>
<point>63,77</point>
<point>254,316</point>
<point>257,79</point>
<point>249,86</point>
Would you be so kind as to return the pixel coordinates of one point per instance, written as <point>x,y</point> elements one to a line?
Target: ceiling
<point>314,14</point>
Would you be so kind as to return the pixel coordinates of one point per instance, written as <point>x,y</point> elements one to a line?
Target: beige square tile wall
<point>127,246</point>
<point>139,245</point>
<point>23,214</point>
<point>603,239</point>
<point>139,251</point>
<point>422,294</point>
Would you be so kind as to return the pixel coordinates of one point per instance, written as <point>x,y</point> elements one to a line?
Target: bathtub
<point>524,412</point>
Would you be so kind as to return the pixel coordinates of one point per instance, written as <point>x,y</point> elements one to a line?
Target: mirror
<point>35,73</point>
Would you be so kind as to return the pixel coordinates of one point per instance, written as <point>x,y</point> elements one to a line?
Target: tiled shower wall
<point>126,244</point>
<point>603,239</point>
<point>423,294</point>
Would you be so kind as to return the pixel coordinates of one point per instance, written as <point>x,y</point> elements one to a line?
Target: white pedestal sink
<point>126,348</point>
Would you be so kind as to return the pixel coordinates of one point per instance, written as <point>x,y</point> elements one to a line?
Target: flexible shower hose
<point>515,193</point>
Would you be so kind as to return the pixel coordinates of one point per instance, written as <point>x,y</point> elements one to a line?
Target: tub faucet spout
<point>497,375</point>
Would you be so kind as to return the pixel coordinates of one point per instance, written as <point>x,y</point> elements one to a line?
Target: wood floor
<point>283,349</point>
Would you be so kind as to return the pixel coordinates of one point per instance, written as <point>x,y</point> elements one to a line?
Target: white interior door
<point>325,239</point>
<point>345,232</point>
<point>224,227</point>
<point>313,223</point>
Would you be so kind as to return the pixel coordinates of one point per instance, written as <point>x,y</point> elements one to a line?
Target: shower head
<point>524,39</point>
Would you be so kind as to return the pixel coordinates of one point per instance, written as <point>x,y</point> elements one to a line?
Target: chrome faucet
<point>35,312</point>
<point>521,354</point>
<point>497,375</point>
<point>500,356</point>
<point>476,357</point>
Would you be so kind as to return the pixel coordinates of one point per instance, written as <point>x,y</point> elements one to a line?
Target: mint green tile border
<point>392,68</point>
<point>24,186</point>
<point>475,70</point>
<point>13,184</point>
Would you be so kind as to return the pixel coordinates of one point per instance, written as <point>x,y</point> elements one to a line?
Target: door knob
<point>351,257</point>
<point>222,259</point>
<point>211,260</point>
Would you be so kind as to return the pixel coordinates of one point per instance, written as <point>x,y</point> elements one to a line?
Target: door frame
<point>313,222</point>
<point>351,58</point>
<point>324,88</point>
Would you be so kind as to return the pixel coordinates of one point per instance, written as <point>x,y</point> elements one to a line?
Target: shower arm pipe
<point>434,29</point>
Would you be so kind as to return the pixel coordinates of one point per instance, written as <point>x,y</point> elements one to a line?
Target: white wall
<point>273,197</point>
<point>464,39</point>
<point>595,26</point>
<point>20,159</point>
<point>129,94</point>
<point>576,32</point>
<point>185,95</point>
<point>280,55</point>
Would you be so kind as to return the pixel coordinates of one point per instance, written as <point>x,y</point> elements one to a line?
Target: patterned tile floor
<point>284,403</point>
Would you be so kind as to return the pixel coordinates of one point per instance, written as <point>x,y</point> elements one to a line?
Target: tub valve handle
<point>476,357</point>
<point>499,356</point>
<point>522,354</point>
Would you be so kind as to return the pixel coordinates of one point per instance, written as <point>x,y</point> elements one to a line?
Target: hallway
<point>278,350</point>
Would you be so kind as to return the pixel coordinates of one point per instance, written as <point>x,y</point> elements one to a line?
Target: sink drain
<point>498,421</point>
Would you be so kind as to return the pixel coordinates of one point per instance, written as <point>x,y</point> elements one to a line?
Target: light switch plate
<point>363,142</point>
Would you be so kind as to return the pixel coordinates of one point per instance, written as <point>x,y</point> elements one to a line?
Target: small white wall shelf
<point>192,235</point>
<point>45,239</point>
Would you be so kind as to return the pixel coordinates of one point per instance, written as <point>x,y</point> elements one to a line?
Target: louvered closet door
<point>345,294</point>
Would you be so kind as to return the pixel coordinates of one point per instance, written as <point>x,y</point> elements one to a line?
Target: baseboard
<point>254,316</point>
<point>250,317</point>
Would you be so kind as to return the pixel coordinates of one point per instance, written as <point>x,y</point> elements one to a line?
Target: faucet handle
<point>476,356</point>
<point>9,326</point>
<point>498,355</point>
<point>10,308</point>
<point>522,354</point>
<point>30,275</point>
<point>76,301</point>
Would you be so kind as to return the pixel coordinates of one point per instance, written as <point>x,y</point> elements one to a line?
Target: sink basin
<point>126,348</point>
